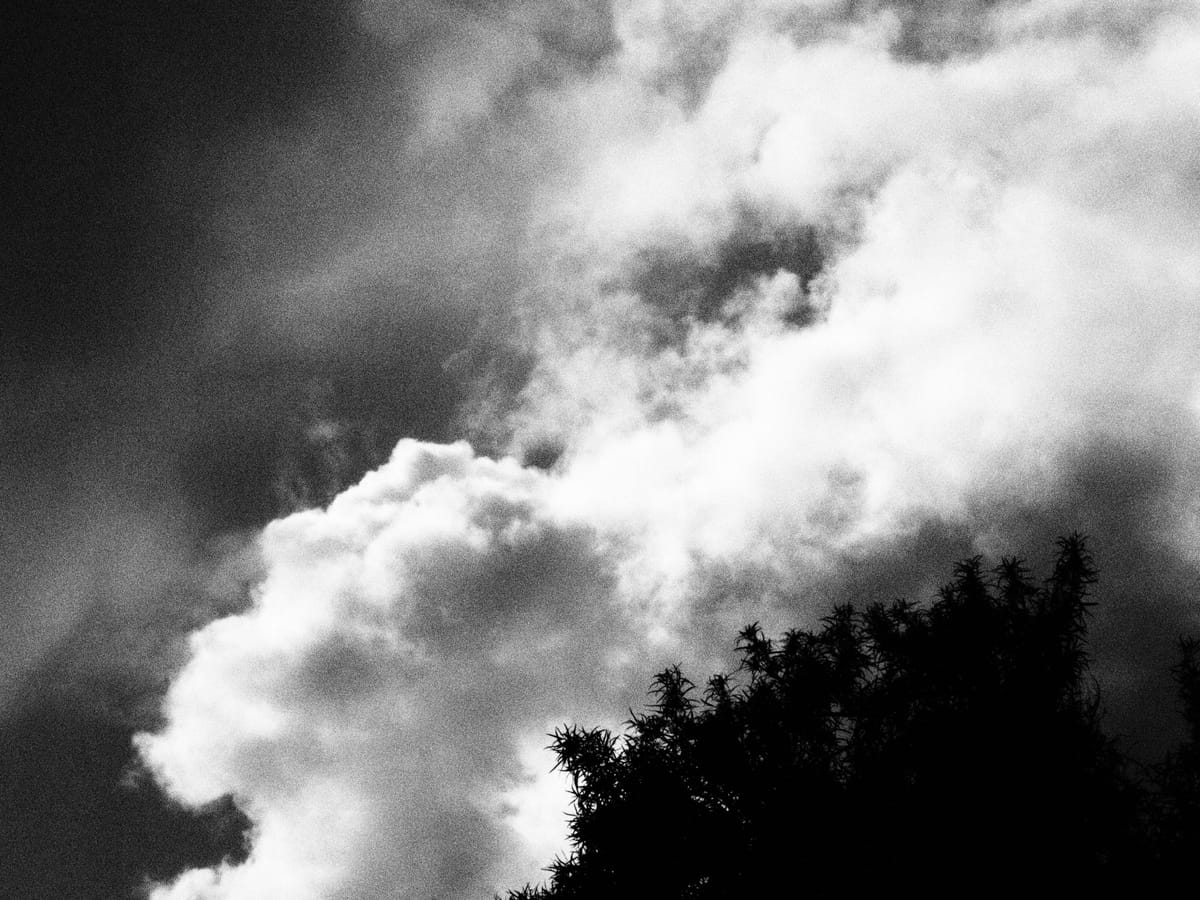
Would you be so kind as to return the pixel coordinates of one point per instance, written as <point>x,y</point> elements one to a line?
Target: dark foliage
<point>954,750</point>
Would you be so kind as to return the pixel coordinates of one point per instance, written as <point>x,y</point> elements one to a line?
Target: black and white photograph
<point>543,449</point>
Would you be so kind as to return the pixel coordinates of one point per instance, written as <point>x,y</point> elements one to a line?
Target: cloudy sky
<point>385,383</point>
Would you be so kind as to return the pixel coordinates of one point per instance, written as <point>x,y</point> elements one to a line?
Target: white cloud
<point>1011,226</point>
<point>373,710</point>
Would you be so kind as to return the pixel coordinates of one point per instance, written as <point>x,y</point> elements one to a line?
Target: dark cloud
<point>81,818</point>
<point>290,427</point>
<point>170,168</point>
<point>689,283</point>
<point>938,30</point>
<point>128,124</point>
<point>76,826</point>
<point>121,117</point>
<point>166,164</point>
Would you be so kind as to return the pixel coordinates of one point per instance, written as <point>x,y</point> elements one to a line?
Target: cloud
<point>995,242</point>
<point>372,709</point>
<point>808,302</point>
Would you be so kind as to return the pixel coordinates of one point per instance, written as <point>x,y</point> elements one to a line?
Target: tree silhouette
<point>953,749</point>
<point>1175,819</point>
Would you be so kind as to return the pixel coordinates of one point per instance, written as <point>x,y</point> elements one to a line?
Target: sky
<point>387,383</point>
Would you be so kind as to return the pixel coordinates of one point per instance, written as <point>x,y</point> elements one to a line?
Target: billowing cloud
<point>374,706</point>
<point>808,300</point>
<point>1006,282</point>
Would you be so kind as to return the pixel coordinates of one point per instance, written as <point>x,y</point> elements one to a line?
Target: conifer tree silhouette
<point>953,749</point>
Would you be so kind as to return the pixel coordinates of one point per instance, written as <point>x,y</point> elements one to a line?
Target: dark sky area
<point>148,410</point>
<point>773,303</point>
